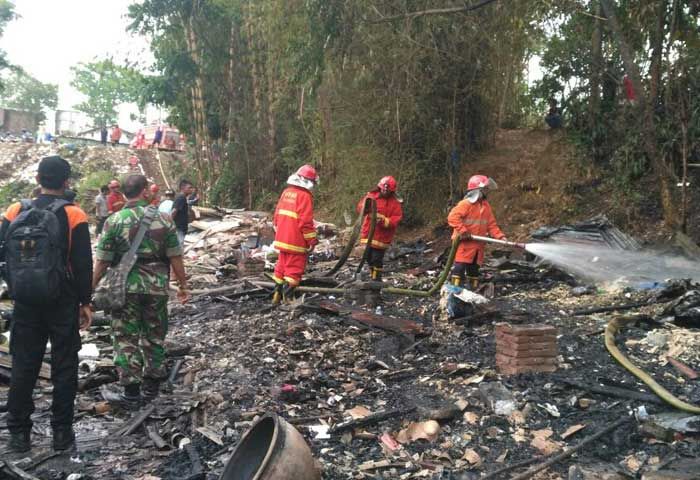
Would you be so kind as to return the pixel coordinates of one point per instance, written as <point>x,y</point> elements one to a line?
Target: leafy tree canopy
<point>105,85</point>
<point>24,92</point>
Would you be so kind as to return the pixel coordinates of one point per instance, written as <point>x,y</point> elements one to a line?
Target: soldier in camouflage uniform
<point>138,331</point>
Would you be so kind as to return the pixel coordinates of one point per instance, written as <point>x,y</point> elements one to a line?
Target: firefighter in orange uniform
<point>389,214</point>
<point>295,234</point>
<point>472,216</point>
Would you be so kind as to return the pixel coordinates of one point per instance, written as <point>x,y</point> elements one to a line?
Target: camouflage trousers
<point>138,336</point>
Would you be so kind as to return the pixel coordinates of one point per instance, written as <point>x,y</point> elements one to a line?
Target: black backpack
<point>36,254</point>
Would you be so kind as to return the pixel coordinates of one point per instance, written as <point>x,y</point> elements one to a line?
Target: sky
<point>52,35</point>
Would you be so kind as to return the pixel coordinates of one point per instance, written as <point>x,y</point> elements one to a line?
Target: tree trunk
<point>661,169</point>
<point>596,66</point>
<point>231,82</point>
<point>272,120</point>
<point>657,49</point>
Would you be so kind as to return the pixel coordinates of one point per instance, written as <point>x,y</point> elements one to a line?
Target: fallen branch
<point>135,422</point>
<point>371,419</point>
<point>507,468</point>
<point>17,472</point>
<point>561,456</point>
<point>613,391</point>
<point>612,308</point>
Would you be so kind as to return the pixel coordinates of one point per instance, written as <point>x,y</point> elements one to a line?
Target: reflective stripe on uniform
<point>310,235</point>
<point>277,280</point>
<point>471,221</point>
<point>376,243</point>
<point>287,213</point>
<point>286,246</point>
<point>292,281</point>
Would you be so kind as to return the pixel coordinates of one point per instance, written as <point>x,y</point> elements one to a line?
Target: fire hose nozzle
<point>505,243</point>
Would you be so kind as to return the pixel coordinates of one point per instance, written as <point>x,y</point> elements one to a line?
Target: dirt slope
<point>542,181</point>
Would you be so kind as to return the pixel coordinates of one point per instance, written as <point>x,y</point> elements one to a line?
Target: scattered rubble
<point>399,392</point>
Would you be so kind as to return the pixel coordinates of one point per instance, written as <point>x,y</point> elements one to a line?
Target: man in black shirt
<point>58,321</point>
<point>181,210</point>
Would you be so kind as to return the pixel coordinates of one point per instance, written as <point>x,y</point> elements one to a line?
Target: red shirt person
<point>472,216</point>
<point>389,215</point>
<point>115,199</point>
<point>295,234</point>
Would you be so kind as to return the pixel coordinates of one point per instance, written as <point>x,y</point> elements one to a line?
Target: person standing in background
<point>116,135</point>
<point>101,210</point>
<point>115,200</point>
<point>181,210</point>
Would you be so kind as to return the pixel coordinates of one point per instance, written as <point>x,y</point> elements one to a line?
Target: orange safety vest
<point>475,219</point>
<point>294,221</point>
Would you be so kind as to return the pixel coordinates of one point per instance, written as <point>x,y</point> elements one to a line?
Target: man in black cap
<point>58,318</point>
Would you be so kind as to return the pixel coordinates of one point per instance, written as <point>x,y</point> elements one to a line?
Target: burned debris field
<point>386,386</point>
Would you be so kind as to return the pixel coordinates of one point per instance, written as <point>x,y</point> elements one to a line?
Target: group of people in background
<point>110,200</point>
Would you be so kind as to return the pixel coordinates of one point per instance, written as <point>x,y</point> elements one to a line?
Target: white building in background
<point>71,122</point>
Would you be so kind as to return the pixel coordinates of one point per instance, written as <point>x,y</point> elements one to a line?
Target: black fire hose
<point>370,234</point>
<point>353,239</point>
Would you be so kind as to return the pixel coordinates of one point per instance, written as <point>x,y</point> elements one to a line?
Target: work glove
<point>465,236</point>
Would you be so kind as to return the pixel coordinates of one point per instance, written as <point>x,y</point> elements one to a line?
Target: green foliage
<point>89,187</point>
<point>7,14</point>
<point>24,92</point>
<point>105,86</point>
<point>15,191</point>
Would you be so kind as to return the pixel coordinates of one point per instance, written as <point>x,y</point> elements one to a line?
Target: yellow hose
<point>611,330</point>
<point>436,287</point>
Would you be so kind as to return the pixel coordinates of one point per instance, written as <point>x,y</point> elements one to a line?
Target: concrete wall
<point>15,121</point>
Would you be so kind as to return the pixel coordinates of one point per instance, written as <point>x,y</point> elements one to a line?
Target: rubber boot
<point>150,389</point>
<point>277,293</point>
<point>131,398</point>
<point>20,442</point>
<point>456,280</point>
<point>473,283</point>
<point>288,293</point>
<point>63,438</point>
<point>375,274</point>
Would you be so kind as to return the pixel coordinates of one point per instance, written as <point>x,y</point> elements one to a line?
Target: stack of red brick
<point>526,348</point>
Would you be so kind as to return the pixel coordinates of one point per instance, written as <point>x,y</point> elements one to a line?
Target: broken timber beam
<point>6,361</point>
<point>391,324</point>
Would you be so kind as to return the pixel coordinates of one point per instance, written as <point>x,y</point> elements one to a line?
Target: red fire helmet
<point>387,183</point>
<point>308,172</point>
<point>480,181</point>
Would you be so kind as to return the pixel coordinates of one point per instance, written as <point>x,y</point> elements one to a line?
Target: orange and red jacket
<point>389,214</point>
<point>294,221</point>
<point>475,219</point>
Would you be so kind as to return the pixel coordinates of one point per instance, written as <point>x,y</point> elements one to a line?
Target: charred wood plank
<point>6,361</point>
<point>613,391</point>
<point>371,419</point>
<point>391,324</point>
<point>135,422</point>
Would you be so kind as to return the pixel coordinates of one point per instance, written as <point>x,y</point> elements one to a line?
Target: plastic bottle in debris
<point>379,310</point>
